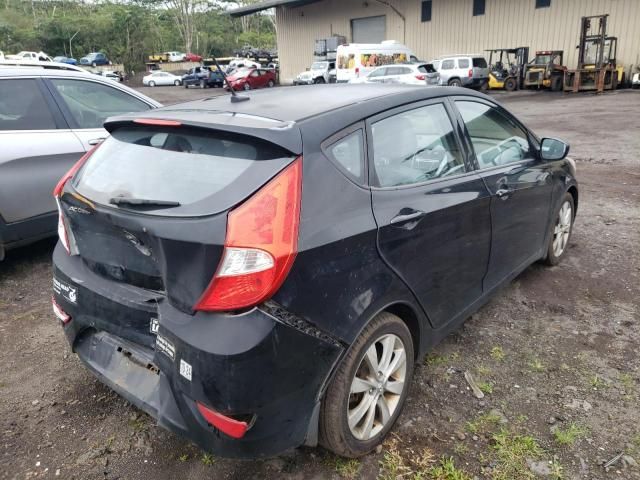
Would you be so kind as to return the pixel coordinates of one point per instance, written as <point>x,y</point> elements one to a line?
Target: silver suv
<point>319,72</point>
<point>48,120</point>
<point>463,71</point>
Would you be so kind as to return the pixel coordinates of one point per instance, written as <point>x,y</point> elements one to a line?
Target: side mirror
<point>553,149</point>
<point>307,69</point>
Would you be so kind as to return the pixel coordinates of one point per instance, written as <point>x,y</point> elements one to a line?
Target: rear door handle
<point>398,220</point>
<point>96,141</point>
<point>503,193</point>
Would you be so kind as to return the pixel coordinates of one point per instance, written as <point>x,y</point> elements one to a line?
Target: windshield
<point>543,59</point>
<point>318,65</point>
<point>182,165</point>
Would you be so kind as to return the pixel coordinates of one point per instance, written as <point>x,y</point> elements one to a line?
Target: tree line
<point>129,31</point>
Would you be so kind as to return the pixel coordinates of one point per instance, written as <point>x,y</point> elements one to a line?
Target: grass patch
<point>627,381</point>
<point>183,458</point>
<point>597,382</point>
<point>569,435</point>
<point>207,459</point>
<point>346,468</point>
<point>446,470</point>
<point>411,464</point>
<point>435,360</point>
<point>483,371</point>
<point>497,353</point>
<point>486,387</point>
<point>537,366</point>
<point>484,423</point>
<point>512,452</point>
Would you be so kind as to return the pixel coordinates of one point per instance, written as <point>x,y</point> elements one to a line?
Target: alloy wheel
<point>377,387</point>
<point>562,229</point>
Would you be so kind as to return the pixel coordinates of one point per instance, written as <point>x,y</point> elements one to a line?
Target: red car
<point>248,78</point>
<point>192,57</point>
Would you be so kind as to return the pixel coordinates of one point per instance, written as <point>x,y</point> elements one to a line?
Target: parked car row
<point>94,59</point>
<point>175,57</point>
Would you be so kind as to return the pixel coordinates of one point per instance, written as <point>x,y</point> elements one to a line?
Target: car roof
<point>287,114</point>
<point>296,104</point>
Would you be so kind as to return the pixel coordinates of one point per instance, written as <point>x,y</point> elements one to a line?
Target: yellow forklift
<point>507,71</point>
<point>597,67</point>
<point>545,70</point>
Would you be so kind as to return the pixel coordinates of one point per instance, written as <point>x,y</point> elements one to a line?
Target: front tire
<point>203,84</point>
<point>561,231</point>
<point>369,389</point>
<point>454,82</point>
<point>271,83</point>
<point>510,85</point>
<point>152,83</point>
<point>177,83</point>
<point>246,87</point>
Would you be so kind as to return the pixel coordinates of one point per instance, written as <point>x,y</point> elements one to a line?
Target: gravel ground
<point>556,353</point>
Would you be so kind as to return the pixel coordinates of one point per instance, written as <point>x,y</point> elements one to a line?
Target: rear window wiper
<point>143,202</point>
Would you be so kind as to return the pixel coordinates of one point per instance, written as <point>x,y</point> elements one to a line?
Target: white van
<point>357,59</point>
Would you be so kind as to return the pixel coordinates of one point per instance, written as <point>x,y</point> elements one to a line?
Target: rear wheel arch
<point>408,315</point>
<point>574,193</point>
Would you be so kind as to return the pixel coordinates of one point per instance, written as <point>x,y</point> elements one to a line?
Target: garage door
<point>369,29</point>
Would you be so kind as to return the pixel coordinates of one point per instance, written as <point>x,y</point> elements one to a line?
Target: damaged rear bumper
<point>265,366</point>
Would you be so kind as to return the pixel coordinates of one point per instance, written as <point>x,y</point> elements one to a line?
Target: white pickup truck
<point>30,56</point>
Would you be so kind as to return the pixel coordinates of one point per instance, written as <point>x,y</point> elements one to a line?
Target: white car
<point>161,78</point>
<point>407,74</point>
<point>635,82</point>
<point>109,74</point>
<point>1,56</point>
<point>175,56</point>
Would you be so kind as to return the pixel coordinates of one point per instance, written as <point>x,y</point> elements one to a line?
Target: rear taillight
<point>63,230</point>
<point>421,77</point>
<point>357,71</point>
<point>72,171</point>
<point>470,72</point>
<point>260,246</point>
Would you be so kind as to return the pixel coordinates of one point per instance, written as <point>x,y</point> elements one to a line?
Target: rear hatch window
<point>479,62</point>
<point>185,171</point>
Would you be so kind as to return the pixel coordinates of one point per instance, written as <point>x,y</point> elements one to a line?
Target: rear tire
<point>152,83</point>
<point>561,230</point>
<point>270,84</point>
<point>203,84</point>
<point>246,86</point>
<point>455,82</point>
<point>319,80</point>
<point>367,393</point>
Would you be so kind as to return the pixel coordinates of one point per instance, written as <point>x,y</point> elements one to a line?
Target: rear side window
<point>447,65</point>
<point>348,154</point>
<point>479,62</point>
<point>463,63</point>
<point>23,107</point>
<point>204,171</point>
<point>91,103</point>
<point>427,68</point>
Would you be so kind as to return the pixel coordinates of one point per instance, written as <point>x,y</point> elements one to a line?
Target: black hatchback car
<point>263,274</point>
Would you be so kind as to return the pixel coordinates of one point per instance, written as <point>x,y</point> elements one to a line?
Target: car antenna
<point>235,98</point>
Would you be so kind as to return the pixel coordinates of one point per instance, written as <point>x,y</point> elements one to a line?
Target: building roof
<point>267,4</point>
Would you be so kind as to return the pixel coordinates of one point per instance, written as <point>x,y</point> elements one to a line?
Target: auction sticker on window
<point>65,290</point>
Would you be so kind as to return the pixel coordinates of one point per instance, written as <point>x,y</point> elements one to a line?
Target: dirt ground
<point>556,353</point>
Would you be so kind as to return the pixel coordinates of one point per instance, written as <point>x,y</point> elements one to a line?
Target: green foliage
<point>128,32</point>
<point>569,435</point>
<point>447,470</point>
<point>512,453</point>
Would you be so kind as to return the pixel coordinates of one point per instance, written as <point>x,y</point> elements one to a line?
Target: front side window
<point>23,107</point>
<point>348,153</point>
<point>497,140</point>
<point>91,103</point>
<point>415,146</point>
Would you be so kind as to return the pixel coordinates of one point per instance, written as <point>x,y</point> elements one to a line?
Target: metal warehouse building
<point>440,27</point>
